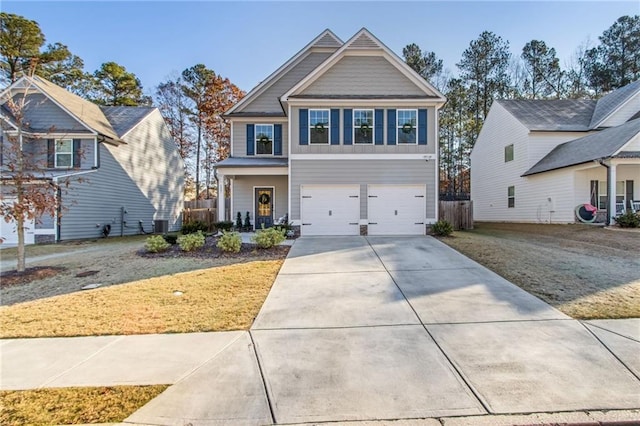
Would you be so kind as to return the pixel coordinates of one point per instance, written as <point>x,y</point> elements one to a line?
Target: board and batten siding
<point>363,75</point>
<point>243,195</point>
<point>269,100</point>
<point>429,148</point>
<point>145,177</point>
<point>42,115</point>
<point>239,137</point>
<point>626,111</point>
<point>363,172</point>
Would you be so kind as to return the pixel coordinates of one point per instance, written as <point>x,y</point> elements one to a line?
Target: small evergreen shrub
<point>628,220</point>
<point>194,226</point>
<point>267,238</point>
<point>225,225</point>
<point>156,244</point>
<point>239,222</point>
<point>442,228</point>
<point>247,223</point>
<point>191,242</point>
<point>170,238</point>
<point>230,242</point>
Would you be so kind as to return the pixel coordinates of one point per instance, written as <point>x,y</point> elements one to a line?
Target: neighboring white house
<point>132,173</point>
<point>342,138</point>
<point>537,160</point>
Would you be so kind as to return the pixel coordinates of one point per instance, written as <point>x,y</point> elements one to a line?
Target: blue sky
<point>246,41</point>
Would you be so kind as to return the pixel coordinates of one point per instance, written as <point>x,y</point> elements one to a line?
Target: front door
<point>264,207</point>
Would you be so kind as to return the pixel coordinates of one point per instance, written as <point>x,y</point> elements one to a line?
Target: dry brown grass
<point>74,405</point>
<point>586,272</point>
<point>215,299</point>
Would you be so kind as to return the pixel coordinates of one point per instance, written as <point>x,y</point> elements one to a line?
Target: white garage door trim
<point>330,209</point>
<point>9,233</point>
<point>396,209</point>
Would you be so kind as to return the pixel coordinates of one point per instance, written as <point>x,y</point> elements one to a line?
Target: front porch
<point>257,186</point>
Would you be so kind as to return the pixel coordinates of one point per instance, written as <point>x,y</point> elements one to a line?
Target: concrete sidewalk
<point>366,328</point>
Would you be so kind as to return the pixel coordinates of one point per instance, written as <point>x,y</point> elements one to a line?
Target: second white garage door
<point>396,209</point>
<point>330,209</point>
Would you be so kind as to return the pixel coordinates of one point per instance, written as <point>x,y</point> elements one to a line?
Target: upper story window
<point>363,126</point>
<point>319,126</point>
<point>63,153</point>
<point>407,122</point>
<point>264,139</point>
<point>508,153</point>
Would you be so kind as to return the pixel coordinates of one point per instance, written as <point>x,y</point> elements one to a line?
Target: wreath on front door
<point>264,199</point>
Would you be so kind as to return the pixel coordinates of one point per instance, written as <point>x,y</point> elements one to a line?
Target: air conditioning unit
<point>161,226</point>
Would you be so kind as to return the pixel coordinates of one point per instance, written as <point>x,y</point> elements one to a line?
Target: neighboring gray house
<point>132,177</point>
<point>342,138</point>
<point>538,160</point>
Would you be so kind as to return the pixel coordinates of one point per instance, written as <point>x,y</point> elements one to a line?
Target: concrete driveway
<point>364,328</point>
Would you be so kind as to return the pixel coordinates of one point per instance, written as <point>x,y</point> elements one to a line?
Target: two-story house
<point>342,139</point>
<point>540,160</point>
<point>118,167</point>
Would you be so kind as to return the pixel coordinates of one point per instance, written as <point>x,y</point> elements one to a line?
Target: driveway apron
<point>363,328</point>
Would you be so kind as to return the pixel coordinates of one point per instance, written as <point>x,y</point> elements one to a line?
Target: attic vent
<point>364,41</point>
<point>327,41</point>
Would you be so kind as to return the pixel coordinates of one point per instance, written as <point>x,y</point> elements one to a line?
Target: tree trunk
<point>198,158</point>
<point>20,267</point>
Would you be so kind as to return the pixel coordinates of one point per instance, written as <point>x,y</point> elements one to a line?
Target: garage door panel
<point>330,209</point>
<point>396,209</point>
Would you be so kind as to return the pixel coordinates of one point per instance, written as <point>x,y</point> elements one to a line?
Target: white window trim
<point>328,128</point>
<point>353,126</point>
<point>398,128</point>
<point>509,197</point>
<point>55,154</point>
<point>255,139</point>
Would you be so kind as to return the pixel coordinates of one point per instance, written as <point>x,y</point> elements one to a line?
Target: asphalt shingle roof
<point>602,144</point>
<point>124,118</point>
<point>612,101</point>
<point>552,115</point>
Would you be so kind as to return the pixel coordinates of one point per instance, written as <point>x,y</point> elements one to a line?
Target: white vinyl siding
<point>626,111</point>
<point>363,75</point>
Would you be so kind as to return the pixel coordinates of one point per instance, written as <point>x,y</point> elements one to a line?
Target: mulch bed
<point>10,278</point>
<point>210,250</point>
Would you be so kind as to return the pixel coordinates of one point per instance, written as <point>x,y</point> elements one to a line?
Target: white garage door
<point>396,209</point>
<point>330,209</point>
<point>10,236</point>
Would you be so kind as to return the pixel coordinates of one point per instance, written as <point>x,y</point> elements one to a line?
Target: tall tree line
<point>192,103</point>
<point>488,70</point>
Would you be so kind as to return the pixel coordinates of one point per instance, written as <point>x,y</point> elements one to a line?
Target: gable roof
<point>326,39</point>
<point>125,118</point>
<point>552,115</point>
<point>363,39</point>
<point>609,103</point>
<point>603,144</point>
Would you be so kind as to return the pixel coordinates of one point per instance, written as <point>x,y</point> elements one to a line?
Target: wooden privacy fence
<point>208,216</point>
<point>458,213</point>
<point>210,203</point>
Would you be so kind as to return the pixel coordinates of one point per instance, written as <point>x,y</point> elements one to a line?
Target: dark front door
<point>264,207</point>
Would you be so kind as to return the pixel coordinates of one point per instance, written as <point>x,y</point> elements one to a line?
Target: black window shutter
<point>391,127</point>
<point>51,153</point>
<point>422,127</point>
<point>303,115</point>
<point>250,139</point>
<point>629,195</point>
<point>277,139</point>
<point>77,154</point>
<point>347,123</point>
<point>379,128</point>
<point>335,127</point>
<point>594,193</point>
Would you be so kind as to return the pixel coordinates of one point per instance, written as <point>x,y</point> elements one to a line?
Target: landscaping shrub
<point>191,242</point>
<point>628,220</point>
<point>442,228</point>
<point>239,226</point>
<point>171,238</point>
<point>267,238</point>
<point>225,225</point>
<point>230,242</point>
<point>193,227</point>
<point>156,244</point>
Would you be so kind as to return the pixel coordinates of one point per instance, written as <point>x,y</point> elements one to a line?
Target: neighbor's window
<point>264,139</point>
<point>508,153</point>
<point>363,125</point>
<point>319,126</point>
<point>511,196</point>
<point>64,153</point>
<point>407,121</point>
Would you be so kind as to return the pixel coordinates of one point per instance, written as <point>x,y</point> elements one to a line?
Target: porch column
<point>612,193</point>
<point>221,178</point>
